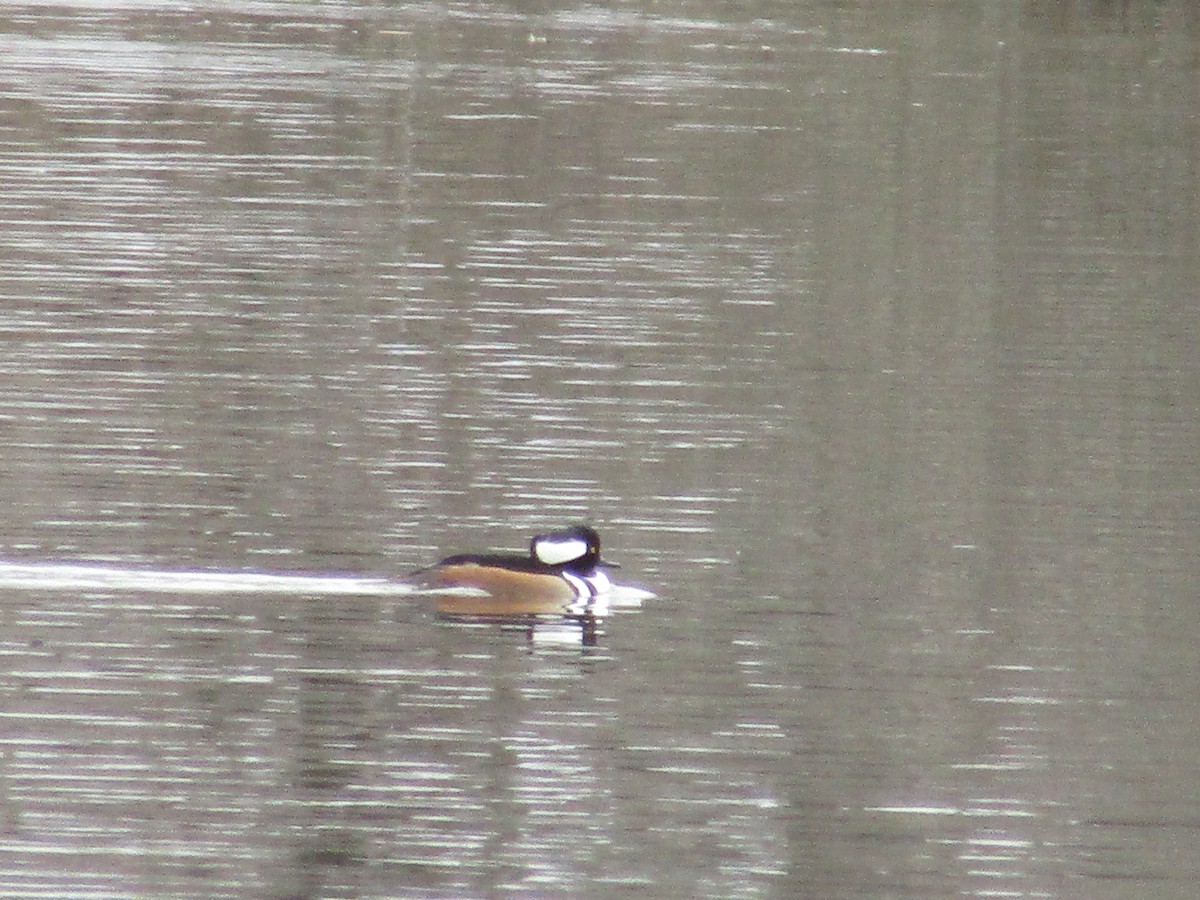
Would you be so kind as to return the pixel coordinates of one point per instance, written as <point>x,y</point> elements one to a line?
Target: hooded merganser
<point>563,574</point>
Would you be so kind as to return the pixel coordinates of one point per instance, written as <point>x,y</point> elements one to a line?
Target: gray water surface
<point>866,336</point>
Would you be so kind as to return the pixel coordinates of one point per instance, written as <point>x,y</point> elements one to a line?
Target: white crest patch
<point>556,552</point>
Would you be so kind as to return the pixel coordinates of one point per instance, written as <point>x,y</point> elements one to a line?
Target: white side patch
<point>555,553</point>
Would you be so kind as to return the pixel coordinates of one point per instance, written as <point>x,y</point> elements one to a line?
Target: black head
<point>577,547</point>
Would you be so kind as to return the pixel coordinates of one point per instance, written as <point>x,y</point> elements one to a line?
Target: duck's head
<point>576,548</point>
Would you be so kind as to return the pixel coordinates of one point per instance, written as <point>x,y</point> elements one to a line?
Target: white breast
<point>591,585</point>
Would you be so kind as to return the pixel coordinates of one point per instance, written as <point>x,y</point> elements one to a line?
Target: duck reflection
<point>560,630</point>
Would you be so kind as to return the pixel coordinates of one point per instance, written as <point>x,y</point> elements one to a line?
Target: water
<point>865,337</point>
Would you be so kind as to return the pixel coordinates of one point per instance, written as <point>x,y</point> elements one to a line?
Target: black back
<point>511,561</point>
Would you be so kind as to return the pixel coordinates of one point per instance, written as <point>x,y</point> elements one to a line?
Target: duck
<point>562,574</point>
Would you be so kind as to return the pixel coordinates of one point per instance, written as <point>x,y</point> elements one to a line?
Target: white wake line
<point>95,577</point>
